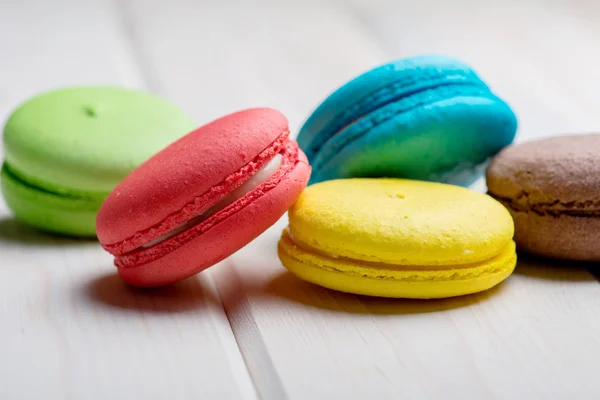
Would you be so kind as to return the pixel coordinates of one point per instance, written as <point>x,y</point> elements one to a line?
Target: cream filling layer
<point>257,179</point>
<point>502,263</point>
<point>393,266</point>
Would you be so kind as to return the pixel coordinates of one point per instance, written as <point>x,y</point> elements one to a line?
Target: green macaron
<point>65,150</point>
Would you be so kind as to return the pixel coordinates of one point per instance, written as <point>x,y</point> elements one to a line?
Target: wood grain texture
<point>69,327</point>
<point>533,337</point>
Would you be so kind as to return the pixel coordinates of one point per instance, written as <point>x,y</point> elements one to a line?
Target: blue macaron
<point>428,118</point>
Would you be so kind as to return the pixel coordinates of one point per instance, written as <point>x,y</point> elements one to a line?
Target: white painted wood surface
<point>247,329</point>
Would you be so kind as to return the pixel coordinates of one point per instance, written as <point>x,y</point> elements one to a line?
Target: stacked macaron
<point>385,157</point>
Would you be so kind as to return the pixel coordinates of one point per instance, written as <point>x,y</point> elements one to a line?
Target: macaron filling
<point>256,180</point>
<point>236,192</point>
<point>48,188</point>
<point>587,208</point>
<point>321,259</point>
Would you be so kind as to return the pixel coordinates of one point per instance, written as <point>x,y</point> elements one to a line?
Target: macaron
<point>393,237</point>
<point>203,197</point>
<point>66,149</point>
<point>425,118</point>
<point>551,187</point>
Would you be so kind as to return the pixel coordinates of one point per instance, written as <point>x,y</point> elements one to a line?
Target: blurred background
<point>212,57</point>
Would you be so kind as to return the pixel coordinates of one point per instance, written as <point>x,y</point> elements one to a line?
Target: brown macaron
<point>551,187</point>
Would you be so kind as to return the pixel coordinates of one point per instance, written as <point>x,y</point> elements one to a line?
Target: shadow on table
<point>287,286</point>
<point>558,270</point>
<point>110,290</point>
<point>12,230</point>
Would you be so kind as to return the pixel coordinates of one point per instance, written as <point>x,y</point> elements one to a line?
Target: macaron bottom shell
<point>562,237</point>
<point>47,211</point>
<point>353,276</point>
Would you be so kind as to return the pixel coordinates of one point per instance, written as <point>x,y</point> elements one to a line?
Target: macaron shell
<point>225,238</point>
<point>445,135</point>
<point>372,89</point>
<point>46,211</point>
<point>84,140</point>
<point>562,237</point>
<point>400,221</point>
<point>390,281</point>
<point>189,168</point>
<point>563,169</point>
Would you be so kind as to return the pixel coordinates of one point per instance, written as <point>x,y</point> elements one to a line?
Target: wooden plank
<point>69,328</point>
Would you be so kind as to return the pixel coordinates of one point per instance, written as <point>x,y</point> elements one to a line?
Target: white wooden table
<point>246,329</point>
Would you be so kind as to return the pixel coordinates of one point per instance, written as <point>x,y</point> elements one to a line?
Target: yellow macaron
<point>398,238</point>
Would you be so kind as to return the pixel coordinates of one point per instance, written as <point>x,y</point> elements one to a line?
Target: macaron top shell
<point>83,140</point>
<point>559,171</point>
<point>190,176</point>
<point>398,221</point>
<point>378,87</point>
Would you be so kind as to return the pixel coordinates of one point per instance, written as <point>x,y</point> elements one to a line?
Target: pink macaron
<point>202,198</point>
